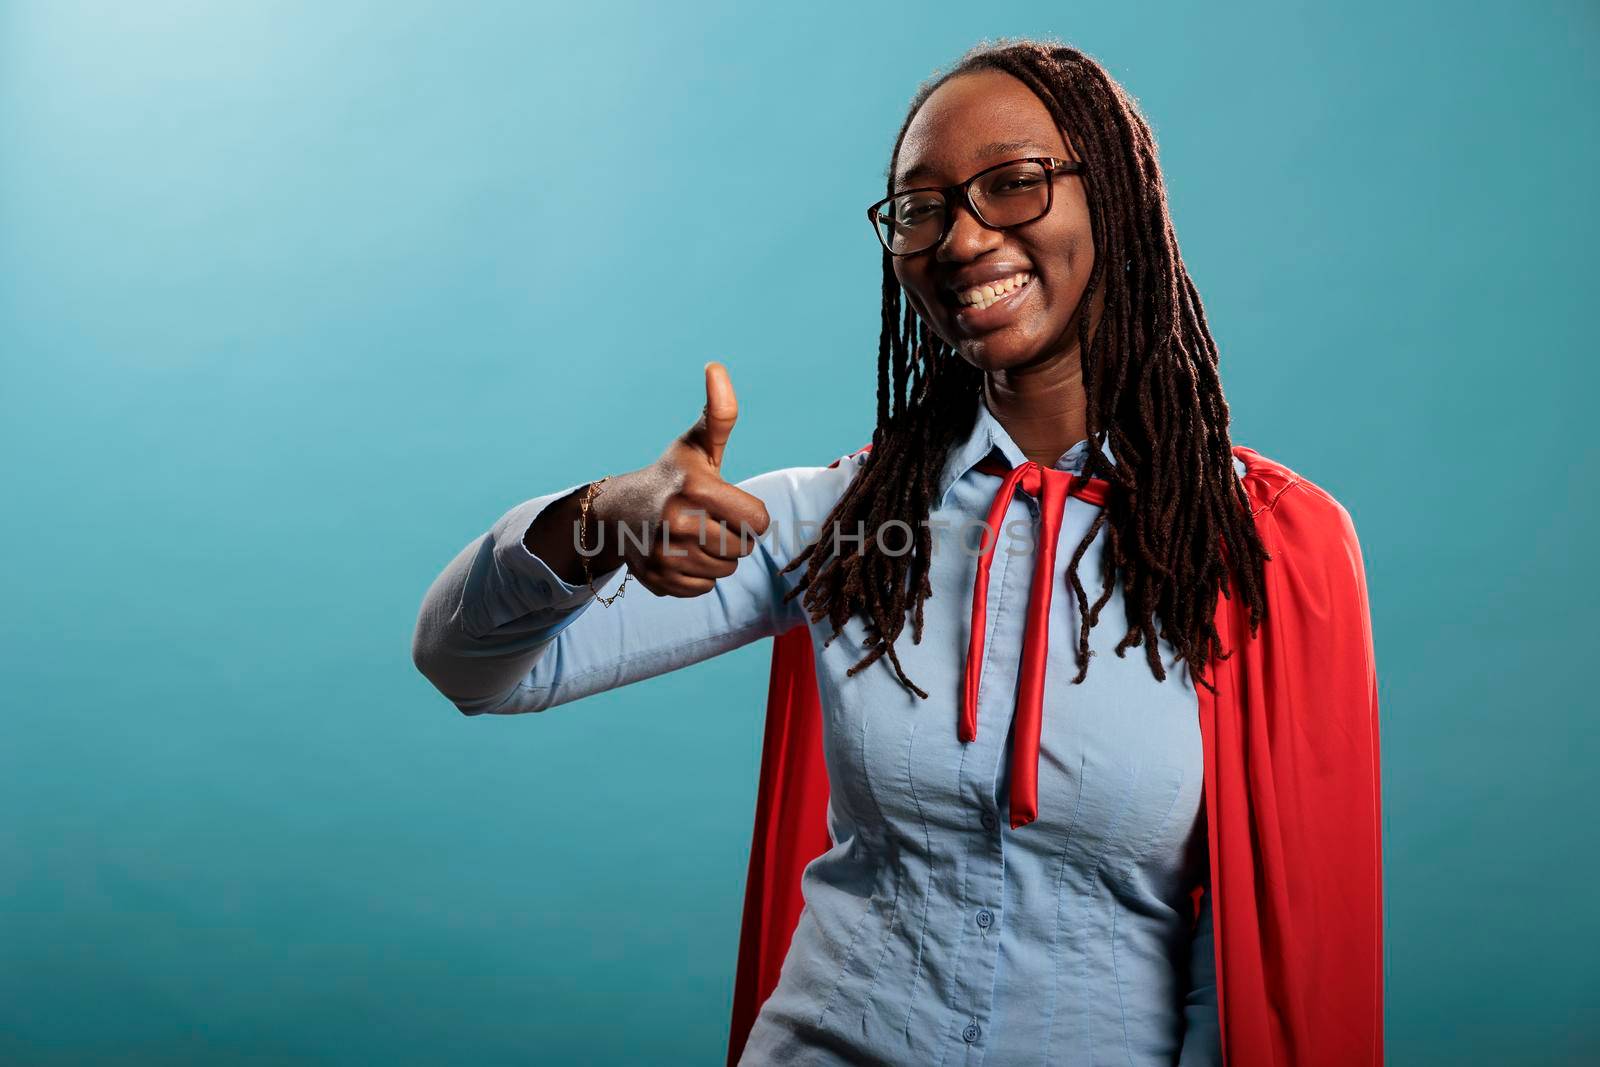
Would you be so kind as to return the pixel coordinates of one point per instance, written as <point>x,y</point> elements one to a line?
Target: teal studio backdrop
<point>296,299</point>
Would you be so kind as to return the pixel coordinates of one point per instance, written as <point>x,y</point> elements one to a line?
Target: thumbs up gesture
<point>695,526</point>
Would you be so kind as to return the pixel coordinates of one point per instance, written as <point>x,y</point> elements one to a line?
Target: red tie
<point>1051,487</point>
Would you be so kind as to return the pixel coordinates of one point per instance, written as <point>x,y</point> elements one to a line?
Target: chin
<point>1000,350</point>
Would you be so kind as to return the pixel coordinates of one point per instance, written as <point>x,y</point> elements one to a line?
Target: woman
<point>1022,831</point>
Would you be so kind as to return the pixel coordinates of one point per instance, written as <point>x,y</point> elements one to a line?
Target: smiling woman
<point>974,847</point>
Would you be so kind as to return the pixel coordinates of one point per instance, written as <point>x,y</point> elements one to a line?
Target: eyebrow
<point>993,148</point>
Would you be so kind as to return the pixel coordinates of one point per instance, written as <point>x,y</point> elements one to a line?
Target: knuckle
<point>699,496</point>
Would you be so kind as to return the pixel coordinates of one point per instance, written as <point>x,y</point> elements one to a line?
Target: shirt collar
<point>988,435</point>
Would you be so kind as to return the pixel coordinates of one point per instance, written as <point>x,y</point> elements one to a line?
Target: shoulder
<point>807,492</point>
<point>799,500</point>
<point>854,458</point>
<point>1290,508</point>
<point>1318,652</point>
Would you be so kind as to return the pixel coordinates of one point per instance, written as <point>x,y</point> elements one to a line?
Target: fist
<point>679,525</point>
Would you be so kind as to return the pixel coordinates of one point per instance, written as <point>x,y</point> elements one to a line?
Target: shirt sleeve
<point>1202,1033</point>
<point>500,632</point>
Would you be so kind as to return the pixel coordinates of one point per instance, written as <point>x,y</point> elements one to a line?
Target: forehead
<point>971,121</point>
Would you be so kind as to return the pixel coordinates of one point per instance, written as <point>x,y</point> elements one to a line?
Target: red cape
<point>1292,801</point>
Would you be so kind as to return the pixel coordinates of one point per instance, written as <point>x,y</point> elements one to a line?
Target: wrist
<point>597,529</point>
<point>611,502</point>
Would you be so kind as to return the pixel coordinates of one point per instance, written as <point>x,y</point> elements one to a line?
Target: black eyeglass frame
<point>963,191</point>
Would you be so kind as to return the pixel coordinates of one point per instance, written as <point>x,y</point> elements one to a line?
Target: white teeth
<point>983,295</point>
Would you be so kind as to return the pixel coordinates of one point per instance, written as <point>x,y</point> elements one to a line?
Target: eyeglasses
<point>1004,195</point>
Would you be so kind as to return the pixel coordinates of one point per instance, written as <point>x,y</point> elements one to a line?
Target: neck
<point>1042,406</point>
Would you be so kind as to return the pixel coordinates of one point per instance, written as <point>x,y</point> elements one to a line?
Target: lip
<point>973,320</point>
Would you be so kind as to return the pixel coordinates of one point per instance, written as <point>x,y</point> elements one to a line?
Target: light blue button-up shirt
<point>933,933</point>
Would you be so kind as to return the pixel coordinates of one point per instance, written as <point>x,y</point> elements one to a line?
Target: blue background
<point>296,299</point>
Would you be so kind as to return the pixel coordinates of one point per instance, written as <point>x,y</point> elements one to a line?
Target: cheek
<point>1071,261</point>
<point>907,284</point>
<point>914,291</point>
<point>1077,248</point>
<point>1066,259</point>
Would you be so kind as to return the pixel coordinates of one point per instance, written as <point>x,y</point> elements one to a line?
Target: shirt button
<point>970,1034</point>
<point>989,821</point>
<point>985,918</point>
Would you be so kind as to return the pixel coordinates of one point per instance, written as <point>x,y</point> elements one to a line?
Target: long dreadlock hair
<point>1176,516</point>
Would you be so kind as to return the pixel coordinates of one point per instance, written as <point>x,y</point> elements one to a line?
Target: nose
<point>967,238</point>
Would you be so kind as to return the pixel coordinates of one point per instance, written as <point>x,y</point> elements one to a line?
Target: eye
<point>913,211</point>
<point>1016,183</point>
<point>1019,180</point>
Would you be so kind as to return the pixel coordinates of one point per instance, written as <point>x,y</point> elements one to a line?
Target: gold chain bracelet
<point>583,524</point>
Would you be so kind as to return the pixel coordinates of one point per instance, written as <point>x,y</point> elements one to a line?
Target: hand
<point>694,525</point>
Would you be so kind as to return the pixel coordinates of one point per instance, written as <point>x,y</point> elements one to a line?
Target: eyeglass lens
<point>1007,196</point>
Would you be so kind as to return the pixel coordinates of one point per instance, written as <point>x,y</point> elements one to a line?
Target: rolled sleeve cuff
<point>521,583</point>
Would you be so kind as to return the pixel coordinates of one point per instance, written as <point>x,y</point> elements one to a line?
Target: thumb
<point>716,420</point>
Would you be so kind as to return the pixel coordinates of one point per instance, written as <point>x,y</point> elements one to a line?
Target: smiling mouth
<point>982,296</point>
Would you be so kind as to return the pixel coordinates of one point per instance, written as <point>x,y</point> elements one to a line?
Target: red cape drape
<point>1292,801</point>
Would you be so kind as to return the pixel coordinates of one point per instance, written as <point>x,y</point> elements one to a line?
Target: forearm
<point>493,612</point>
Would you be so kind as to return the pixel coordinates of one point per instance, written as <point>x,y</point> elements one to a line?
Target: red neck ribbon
<point>1051,488</point>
